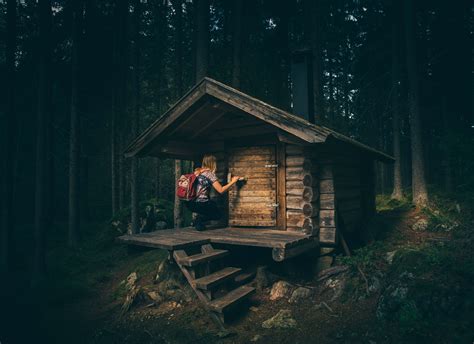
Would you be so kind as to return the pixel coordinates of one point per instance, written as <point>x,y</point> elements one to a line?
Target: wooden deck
<point>284,244</point>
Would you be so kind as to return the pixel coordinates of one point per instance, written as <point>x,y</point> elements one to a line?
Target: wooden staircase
<point>214,284</point>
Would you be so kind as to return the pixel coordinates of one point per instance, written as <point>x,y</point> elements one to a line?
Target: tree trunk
<point>313,31</point>
<point>178,218</point>
<point>42,155</point>
<point>121,173</point>
<point>236,42</point>
<point>134,185</point>
<point>420,193</point>
<point>158,179</point>
<point>178,4</point>
<point>202,39</point>
<point>74,132</point>
<point>397,192</point>
<point>9,144</point>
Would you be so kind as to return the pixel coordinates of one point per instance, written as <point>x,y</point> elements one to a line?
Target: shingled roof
<point>283,120</point>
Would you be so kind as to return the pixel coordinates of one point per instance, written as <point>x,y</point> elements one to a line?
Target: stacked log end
<point>302,191</point>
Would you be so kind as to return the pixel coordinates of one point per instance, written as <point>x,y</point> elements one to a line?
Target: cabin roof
<point>213,93</point>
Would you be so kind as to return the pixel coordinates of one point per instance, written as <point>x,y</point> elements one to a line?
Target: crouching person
<point>202,205</point>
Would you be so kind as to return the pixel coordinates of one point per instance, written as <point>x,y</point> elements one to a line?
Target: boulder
<point>300,294</point>
<point>279,289</point>
<point>283,319</point>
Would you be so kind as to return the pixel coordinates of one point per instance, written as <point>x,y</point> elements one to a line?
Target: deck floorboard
<point>172,239</point>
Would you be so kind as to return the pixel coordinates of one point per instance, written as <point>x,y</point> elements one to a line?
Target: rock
<point>282,319</point>
<point>160,225</point>
<point>389,256</point>
<point>154,296</point>
<point>131,280</point>
<point>131,297</point>
<point>256,338</point>
<point>279,289</point>
<point>254,309</point>
<point>300,294</point>
<point>420,225</point>
<point>374,285</point>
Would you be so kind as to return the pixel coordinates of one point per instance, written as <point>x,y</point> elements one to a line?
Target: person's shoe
<point>199,227</point>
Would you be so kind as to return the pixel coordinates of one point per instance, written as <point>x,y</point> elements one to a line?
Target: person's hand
<point>235,179</point>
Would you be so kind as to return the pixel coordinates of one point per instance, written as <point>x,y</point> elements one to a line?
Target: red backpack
<point>186,189</point>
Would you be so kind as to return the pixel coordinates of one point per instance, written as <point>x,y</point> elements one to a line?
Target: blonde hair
<point>209,161</point>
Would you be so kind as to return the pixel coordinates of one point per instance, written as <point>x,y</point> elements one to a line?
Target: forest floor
<point>412,282</point>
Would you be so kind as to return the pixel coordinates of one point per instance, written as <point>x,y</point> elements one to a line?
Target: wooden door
<point>253,203</point>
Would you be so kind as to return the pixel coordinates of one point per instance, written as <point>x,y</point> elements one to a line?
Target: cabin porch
<point>284,244</point>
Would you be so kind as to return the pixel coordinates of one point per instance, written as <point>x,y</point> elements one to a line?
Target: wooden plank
<point>253,217</point>
<point>327,218</point>
<point>162,243</point>
<point>252,193</point>
<point>230,299</point>
<point>249,211</point>
<point>326,171</point>
<point>294,150</point>
<point>216,278</point>
<point>253,150</point>
<point>327,201</point>
<point>326,186</point>
<point>241,159</point>
<point>252,162</point>
<point>252,222</point>
<point>299,161</point>
<point>201,258</point>
<point>327,235</point>
<point>264,201</point>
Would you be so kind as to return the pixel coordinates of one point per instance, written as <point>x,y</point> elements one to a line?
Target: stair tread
<point>216,278</point>
<point>202,257</point>
<point>219,305</point>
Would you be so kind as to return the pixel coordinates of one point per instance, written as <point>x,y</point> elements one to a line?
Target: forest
<point>81,79</point>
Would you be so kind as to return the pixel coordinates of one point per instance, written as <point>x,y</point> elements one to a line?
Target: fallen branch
<point>326,305</point>
<point>336,270</point>
<point>365,279</point>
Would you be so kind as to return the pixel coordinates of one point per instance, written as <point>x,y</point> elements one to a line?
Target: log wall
<point>302,191</point>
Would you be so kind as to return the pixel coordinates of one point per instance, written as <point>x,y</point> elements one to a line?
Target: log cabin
<point>304,183</point>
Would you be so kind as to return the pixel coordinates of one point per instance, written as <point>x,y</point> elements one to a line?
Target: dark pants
<point>206,211</point>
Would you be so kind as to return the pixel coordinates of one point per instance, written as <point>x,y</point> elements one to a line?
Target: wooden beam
<point>189,118</point>
<point>207,125</point>
<point>280,254</point>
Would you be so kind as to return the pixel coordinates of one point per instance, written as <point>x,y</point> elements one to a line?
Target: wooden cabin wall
<point>302,190</point>
<point>327,202</point>
<point>347,183</point>
<point>221,174</point>
<point>347,192</point>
